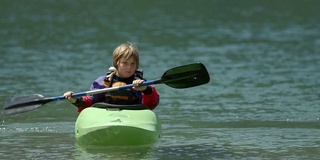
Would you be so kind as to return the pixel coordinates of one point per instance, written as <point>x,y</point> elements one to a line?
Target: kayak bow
<point>107,125</point>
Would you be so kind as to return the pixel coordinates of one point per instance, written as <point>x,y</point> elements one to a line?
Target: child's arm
<point>150,97</point>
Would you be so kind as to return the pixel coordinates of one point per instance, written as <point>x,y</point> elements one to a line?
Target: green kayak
<point>117,125</point>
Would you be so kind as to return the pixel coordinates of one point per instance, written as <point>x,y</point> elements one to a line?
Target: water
<point>263,58</point>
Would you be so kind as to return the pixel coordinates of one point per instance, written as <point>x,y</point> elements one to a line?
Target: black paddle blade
<point>23,104</point>
<point>185,76</point>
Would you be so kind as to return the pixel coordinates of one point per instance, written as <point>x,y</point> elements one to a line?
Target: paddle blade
<point>186,76</point>
<point>23,104</point>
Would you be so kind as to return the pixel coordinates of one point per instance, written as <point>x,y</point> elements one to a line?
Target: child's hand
<point>68,95</point>
<point>136,85</point>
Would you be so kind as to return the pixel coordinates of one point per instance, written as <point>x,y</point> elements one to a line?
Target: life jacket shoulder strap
<point>108,78</point>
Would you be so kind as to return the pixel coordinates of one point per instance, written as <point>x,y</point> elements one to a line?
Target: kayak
<point>117,125</point>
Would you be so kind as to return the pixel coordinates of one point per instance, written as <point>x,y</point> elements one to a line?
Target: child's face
<point>126,67</point>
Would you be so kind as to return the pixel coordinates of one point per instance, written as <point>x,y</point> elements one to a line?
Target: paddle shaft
<point>98,91</point>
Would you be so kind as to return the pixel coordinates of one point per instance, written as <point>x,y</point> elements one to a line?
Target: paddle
<point>178,77</point>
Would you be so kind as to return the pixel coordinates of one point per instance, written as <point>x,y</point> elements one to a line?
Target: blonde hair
<point>126,51</point>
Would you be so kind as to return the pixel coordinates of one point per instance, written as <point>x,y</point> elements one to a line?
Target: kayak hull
<point>117,127</point>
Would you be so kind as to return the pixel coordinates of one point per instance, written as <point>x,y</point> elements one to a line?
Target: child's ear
<point>117,64</point>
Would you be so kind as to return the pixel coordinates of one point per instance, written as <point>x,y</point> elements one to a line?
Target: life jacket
<point>121,97</point>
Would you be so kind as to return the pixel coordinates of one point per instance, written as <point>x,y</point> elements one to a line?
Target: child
<point>125,63</point>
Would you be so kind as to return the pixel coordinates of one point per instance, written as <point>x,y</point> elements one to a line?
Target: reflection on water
<point>114,152</point>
